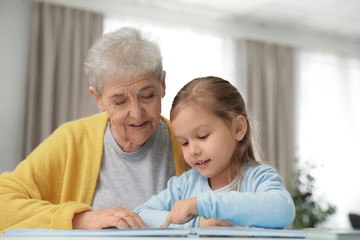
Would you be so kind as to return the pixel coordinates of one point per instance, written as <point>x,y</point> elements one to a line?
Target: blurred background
<point>297,64</point>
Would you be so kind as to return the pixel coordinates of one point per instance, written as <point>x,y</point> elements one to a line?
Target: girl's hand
<point>212,222</point>
<point>182,212</point>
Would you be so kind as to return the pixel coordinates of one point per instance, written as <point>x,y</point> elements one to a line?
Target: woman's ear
<point>163,85</point>
<point>97,98</point>
<point>240,127</point>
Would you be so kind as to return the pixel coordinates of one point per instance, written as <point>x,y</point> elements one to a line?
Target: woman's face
<point>134,108</point>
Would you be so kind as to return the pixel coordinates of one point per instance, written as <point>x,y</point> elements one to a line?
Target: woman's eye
<point>119,103</point>
<point>204,136</point>
<point>148,96</point>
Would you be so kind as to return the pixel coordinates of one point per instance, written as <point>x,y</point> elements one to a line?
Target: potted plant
<point>309,212</point>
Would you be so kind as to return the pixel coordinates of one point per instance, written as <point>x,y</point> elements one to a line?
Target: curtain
<point>328,130</point>
<point>57,90</point>
<point>267,83</point>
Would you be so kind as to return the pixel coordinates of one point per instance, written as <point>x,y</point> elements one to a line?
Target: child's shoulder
<point>253,168</point>
<point>188,176</point>
<point>261,171</point>
<point>189,181</point>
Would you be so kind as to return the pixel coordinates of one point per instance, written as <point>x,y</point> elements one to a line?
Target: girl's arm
<point>156,209</point>
<point>262,202</point>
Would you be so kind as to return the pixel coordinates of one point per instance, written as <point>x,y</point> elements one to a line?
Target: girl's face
<point>208,142</point>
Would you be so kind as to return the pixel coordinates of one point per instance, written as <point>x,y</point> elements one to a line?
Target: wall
<point>14,25</point>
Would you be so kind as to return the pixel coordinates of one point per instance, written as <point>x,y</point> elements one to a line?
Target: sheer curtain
<point>57,90</point>
<point>266,74</point>
<point>328,130</point>
<point>187,54</point>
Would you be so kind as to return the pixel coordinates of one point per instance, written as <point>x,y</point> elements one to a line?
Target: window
<point>328,128</point>
<point>186,55</point>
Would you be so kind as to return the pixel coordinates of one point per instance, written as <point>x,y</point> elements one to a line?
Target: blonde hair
<point>222,99</point>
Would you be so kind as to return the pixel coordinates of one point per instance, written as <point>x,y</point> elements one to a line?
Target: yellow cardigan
<point>58,178</point>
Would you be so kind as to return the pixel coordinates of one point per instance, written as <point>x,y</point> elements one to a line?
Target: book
<point>332,234</point>
<point>161,232</point>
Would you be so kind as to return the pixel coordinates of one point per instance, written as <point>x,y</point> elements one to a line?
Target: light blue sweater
<point>262,200</point>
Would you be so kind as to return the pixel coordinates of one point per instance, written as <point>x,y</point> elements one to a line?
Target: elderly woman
<point>89,172</point>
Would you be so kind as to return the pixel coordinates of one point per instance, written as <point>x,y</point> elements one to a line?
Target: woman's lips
<point>139,126</point>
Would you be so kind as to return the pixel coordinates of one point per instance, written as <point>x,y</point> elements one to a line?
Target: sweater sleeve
<point>156,209</point>
<point>50,185</point>
<point>262,202</point>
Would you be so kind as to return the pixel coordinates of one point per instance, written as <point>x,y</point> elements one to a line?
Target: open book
<point>161,232</point>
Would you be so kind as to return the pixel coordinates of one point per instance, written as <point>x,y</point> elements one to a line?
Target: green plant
<point>309,212</point>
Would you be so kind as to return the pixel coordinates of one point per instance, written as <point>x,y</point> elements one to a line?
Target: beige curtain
<point>267,78</point>
<point>57,90</point>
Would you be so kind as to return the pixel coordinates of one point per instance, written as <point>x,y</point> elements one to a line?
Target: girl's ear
<point>240,127</point>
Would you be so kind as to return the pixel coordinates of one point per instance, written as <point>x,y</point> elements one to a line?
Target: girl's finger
<point>166,223</point>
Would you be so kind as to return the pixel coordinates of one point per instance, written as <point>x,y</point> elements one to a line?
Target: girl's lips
<point>201,164</point>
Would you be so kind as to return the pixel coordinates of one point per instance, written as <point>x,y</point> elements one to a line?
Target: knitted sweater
<point>58,178</point>
<point>260,201</point>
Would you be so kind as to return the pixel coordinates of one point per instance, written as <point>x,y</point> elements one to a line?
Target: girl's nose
<point>195,149</point>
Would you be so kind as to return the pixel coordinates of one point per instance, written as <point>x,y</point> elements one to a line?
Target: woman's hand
<point>114,217</point>
<point>212,222</point>
<point>182,212</point>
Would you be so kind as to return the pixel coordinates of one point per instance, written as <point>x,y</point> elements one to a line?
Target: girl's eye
<point>184,144</point>
<point>204,136</point>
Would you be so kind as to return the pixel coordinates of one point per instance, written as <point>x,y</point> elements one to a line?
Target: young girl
<point>226,185</point>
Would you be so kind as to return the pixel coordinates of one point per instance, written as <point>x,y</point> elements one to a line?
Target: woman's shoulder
<point>92,127</point>
<point>84,122</point>
<point>165,121</point>
<point>97,122</point>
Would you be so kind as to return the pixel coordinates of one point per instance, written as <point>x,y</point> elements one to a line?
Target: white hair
<point>121,54</point>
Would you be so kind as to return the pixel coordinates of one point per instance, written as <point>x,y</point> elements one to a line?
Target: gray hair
<point>122,54</point>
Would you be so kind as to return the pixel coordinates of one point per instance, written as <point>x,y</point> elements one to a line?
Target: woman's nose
<point>136,110</point>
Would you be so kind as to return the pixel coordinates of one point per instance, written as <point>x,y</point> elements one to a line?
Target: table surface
<point>143,238</point>
<point>162,234</point>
